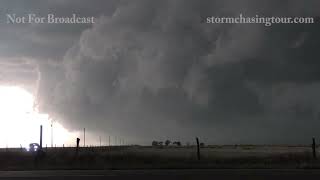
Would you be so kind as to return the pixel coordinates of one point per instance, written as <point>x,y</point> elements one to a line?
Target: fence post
<point>77,149</point>
<point>198,148</point>
<point>314,148</point>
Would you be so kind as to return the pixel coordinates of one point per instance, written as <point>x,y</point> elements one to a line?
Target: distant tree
<point>167,142</point>
<point>202,144</point>
<point>154,143</point>
<point>160,143</point>
<point>174,143</point>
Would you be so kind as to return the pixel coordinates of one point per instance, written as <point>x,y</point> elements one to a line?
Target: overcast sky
<point>152,70</point>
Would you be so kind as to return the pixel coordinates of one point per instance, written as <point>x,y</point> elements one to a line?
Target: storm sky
<point>154,70</point>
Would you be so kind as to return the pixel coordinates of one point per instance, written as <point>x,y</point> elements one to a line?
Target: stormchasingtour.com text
<point>267,21</point>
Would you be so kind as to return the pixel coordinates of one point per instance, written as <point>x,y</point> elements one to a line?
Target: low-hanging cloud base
<point>154,70</point>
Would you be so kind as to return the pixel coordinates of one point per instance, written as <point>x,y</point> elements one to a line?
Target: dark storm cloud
<point>46,40</point>
<point>41,45</point>
<point>150,70</point>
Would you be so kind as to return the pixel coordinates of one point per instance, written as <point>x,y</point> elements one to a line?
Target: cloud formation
<point>149,70</point>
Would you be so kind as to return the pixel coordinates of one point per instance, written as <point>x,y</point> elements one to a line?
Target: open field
<point>146,157</point>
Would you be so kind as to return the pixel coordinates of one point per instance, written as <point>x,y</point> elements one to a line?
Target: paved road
<point>164,175</point>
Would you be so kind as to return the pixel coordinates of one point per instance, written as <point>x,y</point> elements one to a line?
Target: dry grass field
<point>146,157</point>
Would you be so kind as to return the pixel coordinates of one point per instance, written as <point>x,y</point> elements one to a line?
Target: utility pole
<point>40,136</point>
<point>51,133</point>
<point>84,137</point>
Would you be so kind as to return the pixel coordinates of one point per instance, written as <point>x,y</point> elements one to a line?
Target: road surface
<point>223,174</point>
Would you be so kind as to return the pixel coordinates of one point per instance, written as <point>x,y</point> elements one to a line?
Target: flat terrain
<point>223,174</point>
<point>146,157</point>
